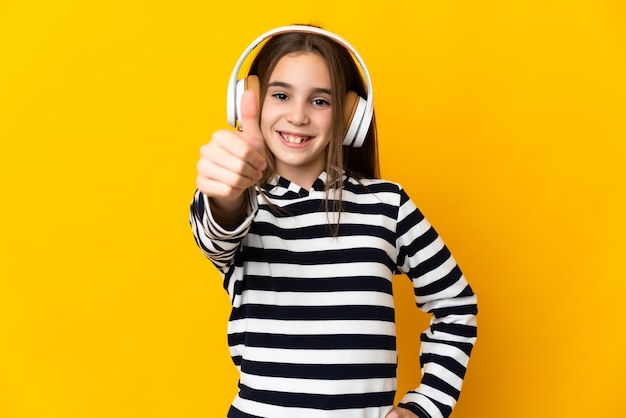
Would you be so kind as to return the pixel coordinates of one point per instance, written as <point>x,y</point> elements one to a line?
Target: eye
<point>280,96</point>
<point>321,102</point>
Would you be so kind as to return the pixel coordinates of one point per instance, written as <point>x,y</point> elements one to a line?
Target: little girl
<point>307,238</point>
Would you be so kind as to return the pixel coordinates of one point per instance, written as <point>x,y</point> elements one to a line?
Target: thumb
<point>249,122</point>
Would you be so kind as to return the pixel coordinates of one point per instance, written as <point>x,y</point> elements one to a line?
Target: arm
<point>442,290</point>
<point>228,168</point>
<point>218,243</point>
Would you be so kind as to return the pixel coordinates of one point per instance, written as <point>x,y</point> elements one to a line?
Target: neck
<point>303,177</point>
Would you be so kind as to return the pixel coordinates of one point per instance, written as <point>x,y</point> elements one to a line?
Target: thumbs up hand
<point>232,162</point>
<point>249,122</point>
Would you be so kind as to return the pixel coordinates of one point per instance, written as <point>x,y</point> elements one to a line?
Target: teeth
<point>294,139</point>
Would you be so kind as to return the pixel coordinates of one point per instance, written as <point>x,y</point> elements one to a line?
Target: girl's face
<point>296,120</point>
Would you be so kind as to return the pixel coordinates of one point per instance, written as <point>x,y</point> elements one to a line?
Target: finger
<point>229,169</point>
<point>228,149</point>
<point>213,188</point>
<point>215,180</point>
<point>250,120</point>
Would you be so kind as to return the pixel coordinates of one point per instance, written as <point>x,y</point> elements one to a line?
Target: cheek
<point>327,123</point>
<point>264,121</point>
<point>267,117</point>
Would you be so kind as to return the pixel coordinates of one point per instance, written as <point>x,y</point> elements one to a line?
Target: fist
<point>233,161</point>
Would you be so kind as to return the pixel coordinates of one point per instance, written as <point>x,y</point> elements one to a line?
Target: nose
<point>298,114</point>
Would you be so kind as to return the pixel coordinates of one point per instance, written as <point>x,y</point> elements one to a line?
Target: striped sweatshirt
<point>312,327</point>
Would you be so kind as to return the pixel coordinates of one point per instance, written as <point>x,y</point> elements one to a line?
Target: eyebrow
<point>316,90</point>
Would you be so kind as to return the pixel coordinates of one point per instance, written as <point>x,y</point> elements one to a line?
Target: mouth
<point>294,138</point>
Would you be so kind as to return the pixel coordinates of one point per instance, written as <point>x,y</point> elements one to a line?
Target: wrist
<point>228,213</point>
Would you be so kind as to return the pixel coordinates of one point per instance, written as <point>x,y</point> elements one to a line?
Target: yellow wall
<point>504,120</point>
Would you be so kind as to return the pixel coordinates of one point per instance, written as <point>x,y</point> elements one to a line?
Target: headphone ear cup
<point>354,112</point>
<point>249,83</point>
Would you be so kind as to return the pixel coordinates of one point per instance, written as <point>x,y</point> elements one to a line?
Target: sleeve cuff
<point>221,232</point>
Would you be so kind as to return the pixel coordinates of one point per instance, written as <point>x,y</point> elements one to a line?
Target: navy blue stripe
<point>442,284</point>
<point>305,207</point>
<point>465,347</point>
<point>471,309</point>
<point>320,284</point>
<point>323,231</point>
<point>445,361</point>
<point>313,313</point>
<point>296,207</point>
<point>320,371</point>
<point>419,243</point>
<point>318,258</point>
<point>382,187</point>
<point>445,410</point>
<point>409,222</point>
<point>439,384</point>
<point>371,209</point>
<point>323,402</point>
<point>314,342</point>
<point>235,413</point>
<point>468,331</point>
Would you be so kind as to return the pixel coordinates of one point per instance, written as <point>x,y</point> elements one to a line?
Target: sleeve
<point>216,243</point>
<point>441,290</point>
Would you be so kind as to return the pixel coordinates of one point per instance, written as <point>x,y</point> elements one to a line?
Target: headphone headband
<point>359,132</point>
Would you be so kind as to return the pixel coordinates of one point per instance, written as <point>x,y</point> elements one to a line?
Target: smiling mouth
<point>295,139</point>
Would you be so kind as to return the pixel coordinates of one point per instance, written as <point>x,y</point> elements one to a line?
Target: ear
<point>253,83</point>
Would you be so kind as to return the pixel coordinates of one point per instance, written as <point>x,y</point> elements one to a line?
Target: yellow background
<point>504,120</point>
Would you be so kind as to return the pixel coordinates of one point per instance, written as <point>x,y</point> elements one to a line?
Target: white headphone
<point>359,111</point>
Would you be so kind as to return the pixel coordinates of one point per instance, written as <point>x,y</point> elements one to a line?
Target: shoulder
<point>380,189</point>
<point>373,185</point>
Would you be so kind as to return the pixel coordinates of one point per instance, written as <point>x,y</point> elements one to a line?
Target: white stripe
<point>437,273</point>
<point>469,320</point>
<point>387,198</point>
<point>418,229</point>
<point>269,355</point>
<point>318,386</point>
<point>268,242</point>
<point>259,409</point>
<point>293,222</point>
<point>308,327</point>
<point>447,293</point>
<point>455,302</point>
<point>333,298</point>
<point>443,349</point>
<point>427,252</point>
<point>437,395</point>
<point>320,271</point>
<point>445,375</point>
